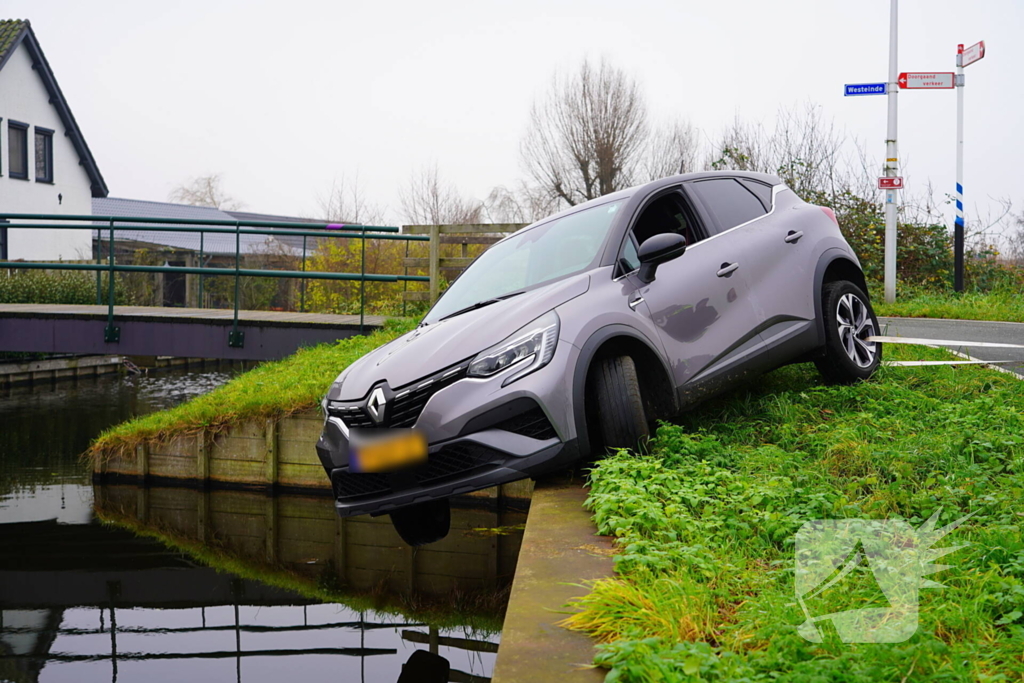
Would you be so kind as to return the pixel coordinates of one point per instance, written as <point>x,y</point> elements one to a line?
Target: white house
<point>45,164</point>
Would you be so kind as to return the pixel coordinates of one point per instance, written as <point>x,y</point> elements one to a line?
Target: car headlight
<point>530,349</point>
<point>335,391</point>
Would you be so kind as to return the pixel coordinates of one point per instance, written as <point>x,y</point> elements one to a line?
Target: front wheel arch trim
<point>844,267</point>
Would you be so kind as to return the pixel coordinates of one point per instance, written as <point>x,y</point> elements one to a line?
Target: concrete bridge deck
<point>183,332</point>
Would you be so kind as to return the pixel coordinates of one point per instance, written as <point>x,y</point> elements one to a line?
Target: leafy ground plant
<point>273,389</point>
<point>704,585</point>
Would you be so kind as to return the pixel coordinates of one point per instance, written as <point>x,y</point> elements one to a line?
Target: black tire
<point>620,415</point>
<point>849,319</point>
<point>423,523</point>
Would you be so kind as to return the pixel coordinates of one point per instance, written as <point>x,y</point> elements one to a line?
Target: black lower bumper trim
<point>459,471</point>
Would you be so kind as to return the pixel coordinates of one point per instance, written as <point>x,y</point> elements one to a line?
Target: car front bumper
<point>469,448</point>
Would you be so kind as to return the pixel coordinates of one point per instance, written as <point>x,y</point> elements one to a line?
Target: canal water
<point>118,582</point>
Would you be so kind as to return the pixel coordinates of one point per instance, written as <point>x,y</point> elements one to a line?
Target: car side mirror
<point>657,250</point>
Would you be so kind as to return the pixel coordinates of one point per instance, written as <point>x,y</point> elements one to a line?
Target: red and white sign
<point>918,80</point>
<point>971,54</point>
<point>890,183</point>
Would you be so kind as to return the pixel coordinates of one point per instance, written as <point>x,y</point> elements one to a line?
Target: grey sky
<point>282,98</point>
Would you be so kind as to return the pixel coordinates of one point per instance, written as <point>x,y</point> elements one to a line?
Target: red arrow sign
<point>926,80</point>
<point>890,183</point>
<point>973,53</point>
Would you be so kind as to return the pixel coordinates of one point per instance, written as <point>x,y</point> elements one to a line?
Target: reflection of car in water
<point>574,334</point>
<point>425,667</point>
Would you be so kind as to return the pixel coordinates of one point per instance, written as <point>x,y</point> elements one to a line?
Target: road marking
<point>942,342</point>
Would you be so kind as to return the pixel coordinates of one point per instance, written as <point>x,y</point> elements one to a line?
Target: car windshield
<point>533,257</point>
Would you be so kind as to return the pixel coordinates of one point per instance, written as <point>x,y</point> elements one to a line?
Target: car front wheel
<point>849,322</point>
<point>621,419</point>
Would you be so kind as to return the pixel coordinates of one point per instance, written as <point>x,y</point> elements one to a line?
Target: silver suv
<point>574,334</point>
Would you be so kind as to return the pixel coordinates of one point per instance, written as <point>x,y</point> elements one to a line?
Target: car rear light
<point>830,213</point>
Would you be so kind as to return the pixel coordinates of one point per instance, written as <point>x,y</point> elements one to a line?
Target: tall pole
<point>958,229</point>
<point>891,168</point>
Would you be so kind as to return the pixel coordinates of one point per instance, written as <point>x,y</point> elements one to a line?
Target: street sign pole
<point>891,169</point>
<point>958,228</point>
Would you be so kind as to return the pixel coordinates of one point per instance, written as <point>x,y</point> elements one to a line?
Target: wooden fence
<point>461,235</point>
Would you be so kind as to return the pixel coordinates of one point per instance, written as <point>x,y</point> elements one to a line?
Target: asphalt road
<point>964,330</point>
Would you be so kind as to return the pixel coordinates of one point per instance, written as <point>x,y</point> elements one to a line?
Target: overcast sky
<point>284,98</point>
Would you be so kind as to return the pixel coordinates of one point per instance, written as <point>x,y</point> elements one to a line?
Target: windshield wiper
<point>480,304</point>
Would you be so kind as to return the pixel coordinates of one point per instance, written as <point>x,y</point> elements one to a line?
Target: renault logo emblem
<point>375,405</point>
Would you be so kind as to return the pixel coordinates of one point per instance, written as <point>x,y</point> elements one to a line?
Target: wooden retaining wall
<point>252,454</point>
<point>51,370</point>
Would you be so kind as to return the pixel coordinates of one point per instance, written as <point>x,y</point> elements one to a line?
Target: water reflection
<point>125,583</point>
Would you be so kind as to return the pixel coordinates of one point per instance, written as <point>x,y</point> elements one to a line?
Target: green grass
<point>273,389</point>
<point>1004,305</point>
<point>704,587</point>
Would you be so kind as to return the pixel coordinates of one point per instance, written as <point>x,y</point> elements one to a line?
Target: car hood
<point>430,348</point>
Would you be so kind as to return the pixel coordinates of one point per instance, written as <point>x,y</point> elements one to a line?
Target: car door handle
<point>793,236</point>
<point>728,269</point>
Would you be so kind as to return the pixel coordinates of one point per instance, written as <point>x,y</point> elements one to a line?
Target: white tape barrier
<point>943,342</point>
<point>914,363</point>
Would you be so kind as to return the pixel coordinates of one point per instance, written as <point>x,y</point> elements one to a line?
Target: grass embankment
<point>705,525</point>
<point>1003,305</point>
<point>273,389</point>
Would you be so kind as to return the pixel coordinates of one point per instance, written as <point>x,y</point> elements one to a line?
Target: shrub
<point>55,287</point>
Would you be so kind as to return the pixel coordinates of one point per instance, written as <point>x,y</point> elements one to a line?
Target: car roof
<point>654,186</point>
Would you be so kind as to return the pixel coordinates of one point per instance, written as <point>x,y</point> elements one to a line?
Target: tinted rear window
<point>763,192</point>
<point>729,202</point>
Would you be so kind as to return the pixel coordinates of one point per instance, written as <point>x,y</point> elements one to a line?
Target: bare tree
<point>1015,240</point>
<point>520,204</point>
<point>670,150</point>
<point>743,146</point>
<point>430,200</point>
<point>803,149</point>
<point>205,191</point>
<point>586,138</point>
<point>346,202</point>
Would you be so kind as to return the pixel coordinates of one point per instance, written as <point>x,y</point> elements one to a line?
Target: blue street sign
<point>852,89</point>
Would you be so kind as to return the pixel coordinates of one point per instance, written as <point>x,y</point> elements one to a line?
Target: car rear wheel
<point>849,321</point>
<point>620,415</point>
<point>423,523</point>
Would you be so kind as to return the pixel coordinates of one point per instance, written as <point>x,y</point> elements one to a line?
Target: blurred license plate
<point>386,450</point>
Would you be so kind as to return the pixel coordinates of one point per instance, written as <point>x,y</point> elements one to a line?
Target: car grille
<point>406,404</point>
<point>449,462</point>
<point>533,423</point>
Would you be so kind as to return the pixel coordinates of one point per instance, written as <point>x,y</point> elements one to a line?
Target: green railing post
<point>202,257</point>
<point>405,283</point>
<point>112,333</point>
<point>97,250</point>
<point>362,281</point>
<point>302,300</point>
<point>237,337</point>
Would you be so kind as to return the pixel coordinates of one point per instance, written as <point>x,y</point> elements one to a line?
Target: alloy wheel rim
<point>855,326</point>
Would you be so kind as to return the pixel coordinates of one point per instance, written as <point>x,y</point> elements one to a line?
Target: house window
<point>17,149</point>
<point>44,155</point>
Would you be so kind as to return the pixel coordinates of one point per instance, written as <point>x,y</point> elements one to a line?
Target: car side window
<point>630,260</point>
<point>760,190</point>
<point>730,203</point>
<point>668,213</point>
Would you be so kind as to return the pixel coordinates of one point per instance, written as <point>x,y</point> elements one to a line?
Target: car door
<point>779,278</point>
<point>699,302</point>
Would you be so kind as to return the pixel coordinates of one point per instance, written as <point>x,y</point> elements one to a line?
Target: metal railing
<point>108,225</point>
